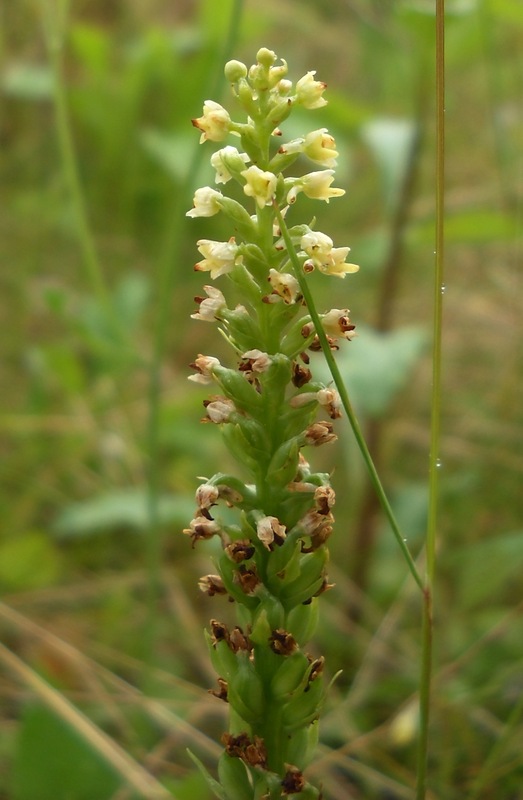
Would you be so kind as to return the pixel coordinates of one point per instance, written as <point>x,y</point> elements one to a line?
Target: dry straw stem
<point>130,771</point>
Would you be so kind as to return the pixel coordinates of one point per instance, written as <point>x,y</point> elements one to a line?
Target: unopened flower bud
<point>234,70</point>
<point>228,163</point>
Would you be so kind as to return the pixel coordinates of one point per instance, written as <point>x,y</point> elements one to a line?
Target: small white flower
<point>330,400</point>
<point>309,92</point>
<point>260,185</point>
<point>219,257</point>
<point>258,361</point>
<point>210,306</point>
<point>303,399</point>
<point>204,366</point>
<point>219,409</point>
<point>268,528</point>
<point>316,244</point>
<point>336,322</point>
<point>206,202</point>
<point>315,185</point>
<point>214,123</point>
<point>284,285</point>
<point>225,159</point>
<point>207,495</point>
<point>322,254</point>
<point>320,147</point>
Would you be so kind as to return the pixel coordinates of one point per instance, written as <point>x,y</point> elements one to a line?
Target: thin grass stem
<point>54,34</point>
<point>131,773</point>
<point>435,463</point>
<point>338,381</point>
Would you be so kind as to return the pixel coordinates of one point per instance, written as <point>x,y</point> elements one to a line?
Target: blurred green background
<point>96,411</point>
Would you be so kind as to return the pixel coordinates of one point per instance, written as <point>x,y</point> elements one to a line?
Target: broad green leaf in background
<point>390,141</point>
<point>28,81</point>
<point>376,366</point>
<point>125,508</point>
<point>53,763</point>
<point>170,150</point>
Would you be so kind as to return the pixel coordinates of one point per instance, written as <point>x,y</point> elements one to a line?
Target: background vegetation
<point>104,673</point>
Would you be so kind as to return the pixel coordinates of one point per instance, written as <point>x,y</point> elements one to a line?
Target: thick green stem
<point>338,380</point>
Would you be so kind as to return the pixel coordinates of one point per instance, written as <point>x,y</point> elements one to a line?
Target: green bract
<point>273,561</point>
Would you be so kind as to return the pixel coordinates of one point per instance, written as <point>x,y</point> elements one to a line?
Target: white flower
<point>316,244</point>
<point>309,92</point>
<point>258,361</point>
<point>214,123</point>
<point>284,285</point>
<point>225,159</point>
<point>207,495</point>
<point>315,185</point>
<point>268,528</point>
<point>330,400</point>
<point>328,259</point>
<point>204,366</point>
<point>260,185</point>
<point>206,202</point>
<point>210,306</point>
<point>219,409</point>
<point>320,147</point>
<point>336,322</point>
<point>219,257</point>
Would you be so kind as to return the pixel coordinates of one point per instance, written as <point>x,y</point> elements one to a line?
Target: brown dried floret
<point>282,643</point>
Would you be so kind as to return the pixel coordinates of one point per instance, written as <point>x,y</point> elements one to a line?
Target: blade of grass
<point>54,24</point>
<point>435,463</point>
<point>131,773</point>
<point>344,395</point>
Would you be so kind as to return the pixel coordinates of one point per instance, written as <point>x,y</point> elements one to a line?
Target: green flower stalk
<point>273,557</point>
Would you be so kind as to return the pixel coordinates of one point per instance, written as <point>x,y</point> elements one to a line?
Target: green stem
<point>54,36</point>
<point>435,464</point>
<point>166,274</point>
<point>338,380</point>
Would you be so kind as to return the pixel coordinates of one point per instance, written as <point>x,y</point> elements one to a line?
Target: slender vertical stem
<point>338,381</point>
<point>54,28</point>
<point>435,463</point>
<point>165,282</point>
